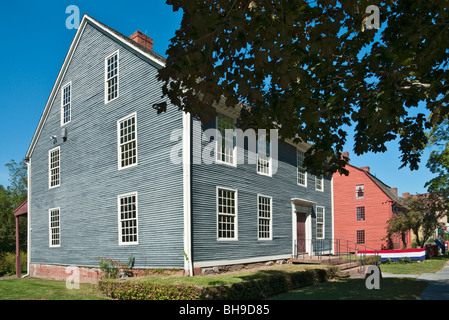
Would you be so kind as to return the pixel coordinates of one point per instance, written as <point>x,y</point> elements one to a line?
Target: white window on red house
<point>359,191</point>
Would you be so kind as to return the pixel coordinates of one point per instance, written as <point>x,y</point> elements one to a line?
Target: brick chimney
<point>345,154</point>
<point>395,190</point>
<point>405,194</point>
<point>365,169</point>
<point>142,39</point>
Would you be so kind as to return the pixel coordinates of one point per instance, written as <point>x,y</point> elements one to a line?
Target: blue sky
<point>35,41</point>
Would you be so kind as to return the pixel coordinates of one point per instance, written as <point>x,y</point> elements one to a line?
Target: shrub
<point>8,262</point>
<point>113,269</point>
<point>247,290</point>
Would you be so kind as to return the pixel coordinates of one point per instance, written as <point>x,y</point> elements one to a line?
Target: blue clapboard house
<point>108,177</point>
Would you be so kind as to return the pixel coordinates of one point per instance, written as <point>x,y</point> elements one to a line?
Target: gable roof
<point>144,52</point>
<point>385,188</point>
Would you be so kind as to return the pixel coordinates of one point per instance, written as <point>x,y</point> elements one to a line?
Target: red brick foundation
<point>55,272</point>
<point>87,275</point>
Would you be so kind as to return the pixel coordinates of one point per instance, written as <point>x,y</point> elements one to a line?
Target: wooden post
<point>18,263</point>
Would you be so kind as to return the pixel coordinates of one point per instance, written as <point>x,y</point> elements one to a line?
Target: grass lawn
<point>338,289</point>
<point>40,289</point>
<point>355,289</point>
<point>427,266</point>
<point>227,278</point>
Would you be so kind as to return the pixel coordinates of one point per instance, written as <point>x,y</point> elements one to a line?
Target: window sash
<point>263,155</point>
<point>264,218</point>
<point>360,191</point>
<point>320,222</point>
<point>54,163</point>
<point>360,213</point>
<point>226,214</point>
<point>111,77</point>
<point>127,216</point>
<point>360,236</point>
<point>127,141</point>
<point>301,172</point>
<point>319,183</point>
<point>66,103</point>
<point>225,148</point>
<point>54,228</point>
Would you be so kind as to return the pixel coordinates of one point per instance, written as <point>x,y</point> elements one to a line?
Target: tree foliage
<point>312,68</point>
<point>438,162</point>
<point>10,198</point>
<point>422,217</point>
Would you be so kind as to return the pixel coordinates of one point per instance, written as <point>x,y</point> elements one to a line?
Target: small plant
<point>113,269</point>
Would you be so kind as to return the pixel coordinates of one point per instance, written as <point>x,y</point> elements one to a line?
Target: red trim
<point>394,251</point>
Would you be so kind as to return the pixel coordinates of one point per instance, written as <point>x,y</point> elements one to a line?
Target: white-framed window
<point>319,222</point>
<point>226,149</point>
<point>127,218</point>
<point>111,77</point>
<point>265,215</point>
<point>263,155</point>
<point>66,103</point>
<point>226,214</point>
<point>301,171</point>
<point>127,141</point>
<point>54,227</point>
<point>360,191</point>
<point>54,168</point>
<point>319,183</point>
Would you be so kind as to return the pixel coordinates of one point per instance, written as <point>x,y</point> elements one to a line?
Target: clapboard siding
<point>90,179</point>
<point>282,187</point>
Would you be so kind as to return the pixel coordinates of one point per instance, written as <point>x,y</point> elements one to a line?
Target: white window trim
<point>69,84</point>
<point>270,158</point>
<point>323,223</point>
<point>119,153</point>
<point>106,101</point>
<point>322,184</point>
<point>356,193</point>
<point>270,238</point>
<point>50,228</point>
<point>236,236</point>
<point>297,167</point>
<point>120,242</point>
<point>49,168</point>
<point>234,150</point>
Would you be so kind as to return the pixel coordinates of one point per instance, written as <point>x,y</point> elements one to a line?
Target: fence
<point>335,251</point>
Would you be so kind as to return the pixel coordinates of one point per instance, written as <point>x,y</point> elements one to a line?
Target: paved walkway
<point>438,283</point>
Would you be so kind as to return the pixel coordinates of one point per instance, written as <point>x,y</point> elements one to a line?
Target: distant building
<point>362,206</point>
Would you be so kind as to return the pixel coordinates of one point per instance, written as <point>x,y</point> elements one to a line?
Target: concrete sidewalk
<point>438,283</point>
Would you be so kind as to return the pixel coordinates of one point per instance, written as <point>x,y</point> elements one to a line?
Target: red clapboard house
<point>363,204</point>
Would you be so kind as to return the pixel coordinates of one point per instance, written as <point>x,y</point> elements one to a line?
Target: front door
<point>301,231</point>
